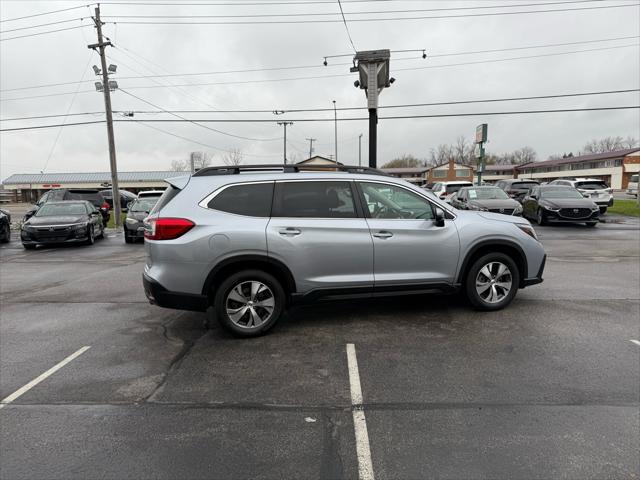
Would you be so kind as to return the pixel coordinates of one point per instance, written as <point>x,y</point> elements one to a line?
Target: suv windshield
<point>560,193</point>
<point>591,185</point>
<point>54,209</point>
<point>487,193</point>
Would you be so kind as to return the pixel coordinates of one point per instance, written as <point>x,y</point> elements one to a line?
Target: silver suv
<point>249,241</point>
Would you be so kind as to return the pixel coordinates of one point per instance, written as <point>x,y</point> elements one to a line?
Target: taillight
<point>167,228</point>
<point>105,206</point>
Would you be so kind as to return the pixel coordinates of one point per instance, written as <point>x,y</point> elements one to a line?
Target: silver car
<point>250,241</point>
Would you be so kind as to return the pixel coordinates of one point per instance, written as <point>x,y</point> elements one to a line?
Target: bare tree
<point>524,155</point>
<point>463,150</point>
<point>179,165</point>
<point>233,157</point>
<point>404,161</point>
<point>630,142</point>
<point>607,144</point>
<point>442,154</point>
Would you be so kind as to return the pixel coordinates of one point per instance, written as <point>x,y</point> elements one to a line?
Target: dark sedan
<point>92,195</point>
<point>516,188</point>
<point>63,222</point>
<point>5,226</point>
<point>138,211</point>
<point>551,203</point>
<point>486,199</point>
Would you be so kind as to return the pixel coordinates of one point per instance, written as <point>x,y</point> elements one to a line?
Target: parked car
<point>68,221</point>
<point>125,197</point>
<point>632,186</point>
<point>138,210</point>
<point>485,199</point>
<point>516,188</point>
<point>428,186</point>
<point>250,241</point>
<point>593,188</point>
<point>92,195</point>
<point>150,193</point>
<point>5,226</point>
<point>444,189</point>
<point>559,203</point>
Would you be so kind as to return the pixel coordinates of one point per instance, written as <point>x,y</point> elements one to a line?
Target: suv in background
<point>632,186</point>
<point>251,240</point>
<point>92,195</point>
<point>517,188</point>
<point>443,189</point>
<point>592,188</point>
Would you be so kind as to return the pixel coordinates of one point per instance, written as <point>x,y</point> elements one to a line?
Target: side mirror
<point>439,217</point>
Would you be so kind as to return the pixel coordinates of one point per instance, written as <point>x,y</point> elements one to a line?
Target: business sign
<point>481,133</point>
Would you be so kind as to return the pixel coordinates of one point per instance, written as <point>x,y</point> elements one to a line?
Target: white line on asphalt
<point>21,391</point>
<point>637,342</point>
<point>365,466</point>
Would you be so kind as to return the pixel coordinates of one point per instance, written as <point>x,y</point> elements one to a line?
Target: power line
<point>318,66</point>
<point>386,19</point>
<point>43,33</point>
<point>320,2</point>
<point>346,27</point>
<point>43,25</point>
<point>46,13</point>
<point>39,117</point>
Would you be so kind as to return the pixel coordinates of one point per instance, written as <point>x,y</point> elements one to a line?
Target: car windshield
<point>455,187</point>
<point>487,194</point>
<point>591,185</point>
<point>144,205</point>
<point>55,209</point>
<point>560,193</point>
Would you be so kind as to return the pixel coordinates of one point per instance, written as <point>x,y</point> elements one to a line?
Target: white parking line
<point>637,342</point>
<point>21,391</point>
<point>365,466</point>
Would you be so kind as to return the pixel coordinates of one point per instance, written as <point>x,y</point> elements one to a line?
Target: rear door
<point>409,249</point>
<point>316,229</point>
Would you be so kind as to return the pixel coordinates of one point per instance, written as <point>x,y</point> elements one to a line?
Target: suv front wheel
<point>249,303</point>
<point>492,281</point>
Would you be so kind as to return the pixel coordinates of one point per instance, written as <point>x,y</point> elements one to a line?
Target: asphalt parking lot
<point>548,388</point>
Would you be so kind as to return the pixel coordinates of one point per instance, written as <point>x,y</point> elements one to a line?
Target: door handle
<point>383,234</point>
<point>289,231</point>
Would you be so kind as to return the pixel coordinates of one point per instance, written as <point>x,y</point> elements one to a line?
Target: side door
<point>318,231</point>
<point>408,247</point>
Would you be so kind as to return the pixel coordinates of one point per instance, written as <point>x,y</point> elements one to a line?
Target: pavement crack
<point>332,464</point>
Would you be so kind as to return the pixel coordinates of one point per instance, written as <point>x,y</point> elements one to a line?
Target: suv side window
<point>390,201</point>
<point>251,200</point>
<point>314,200</point>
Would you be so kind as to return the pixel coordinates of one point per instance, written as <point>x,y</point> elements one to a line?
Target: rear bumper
<point>538,278</point>
<point>160,296</point>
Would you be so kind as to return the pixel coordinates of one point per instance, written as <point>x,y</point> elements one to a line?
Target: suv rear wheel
<point>492,281</point>
<point>249,303</point>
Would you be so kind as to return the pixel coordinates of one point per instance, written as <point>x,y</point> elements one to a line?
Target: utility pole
<point>335,129</point>
<point>311,140</point>
<point>284,124</point>
<point>360,150</point>
<point>106,88</point>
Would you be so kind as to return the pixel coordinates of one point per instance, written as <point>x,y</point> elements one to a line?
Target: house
<point>450,171</point>
<point>318,160</point>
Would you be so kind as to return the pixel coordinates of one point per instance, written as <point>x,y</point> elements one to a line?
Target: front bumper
<point>136,231</point>
<point>41,238</point>
<point>160,296</point>
<point>538,278</point>
<point>553,216</point>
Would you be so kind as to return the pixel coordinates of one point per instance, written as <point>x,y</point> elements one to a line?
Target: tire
<point>90,236</point>
<point>127,237</point>
<point>591,224</point>
<point>29,247</point>
<point>101,236</point>
<point>603,210</point>
<point>540,219</point>
<point>5,236</point>
<point>234,293</point>
<point>486,271</point>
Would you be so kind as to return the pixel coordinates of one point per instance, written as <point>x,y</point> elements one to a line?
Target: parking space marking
<point>22,390</point>
<point>637,342</point>
<point>363,450</point>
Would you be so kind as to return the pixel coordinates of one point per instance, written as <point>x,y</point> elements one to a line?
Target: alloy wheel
<point>494,282</point>
<point>250,304</point>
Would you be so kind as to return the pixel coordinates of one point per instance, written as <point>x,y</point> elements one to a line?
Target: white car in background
<point>150,193</point>
<point>632,186</point>
<point>593,188</point>
<point>443,190</point>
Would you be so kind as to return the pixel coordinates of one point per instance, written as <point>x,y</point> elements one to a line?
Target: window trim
<point>354,194</point>
<point>204,203</point>
<point>419,194</point>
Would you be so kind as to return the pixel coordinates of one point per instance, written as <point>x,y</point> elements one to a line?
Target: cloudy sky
<point>181,67</point>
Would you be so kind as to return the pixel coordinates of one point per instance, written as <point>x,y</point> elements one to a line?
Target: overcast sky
<point>150,50</point>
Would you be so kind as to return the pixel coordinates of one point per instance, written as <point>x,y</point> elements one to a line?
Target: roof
<point>401,170</point>
<point>493,168</point>
<point>581,158</point>
<point>317,157</point>
<point>90,177</point>
<point>454,162</point>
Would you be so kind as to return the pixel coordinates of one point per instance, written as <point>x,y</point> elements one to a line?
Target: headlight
<point>28,228</point>
<point>80,226</point>
<point>549,207</point>
<point>518,209</point>
<point>528,229</point>
<point>131,221</point>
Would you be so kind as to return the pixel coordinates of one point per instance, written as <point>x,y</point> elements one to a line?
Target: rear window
<point>591,185</point>
<point>95,198</point>
<point>165,198</point>
<point>524,185</point>
<point>251,200</point>
<point>454,188</point>
<point>314,200</point>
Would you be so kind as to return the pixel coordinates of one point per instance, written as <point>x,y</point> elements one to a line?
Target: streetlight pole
<point>335,129</point>
<point>284,124</point>
<point>311,140</point>
<point>360,150</point>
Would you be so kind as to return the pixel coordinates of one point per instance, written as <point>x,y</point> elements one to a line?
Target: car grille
<point>52,233</point>
<point>506,211</point>
<point>575,212</point>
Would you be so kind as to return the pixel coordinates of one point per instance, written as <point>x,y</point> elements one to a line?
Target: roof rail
<point>237,169</point>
